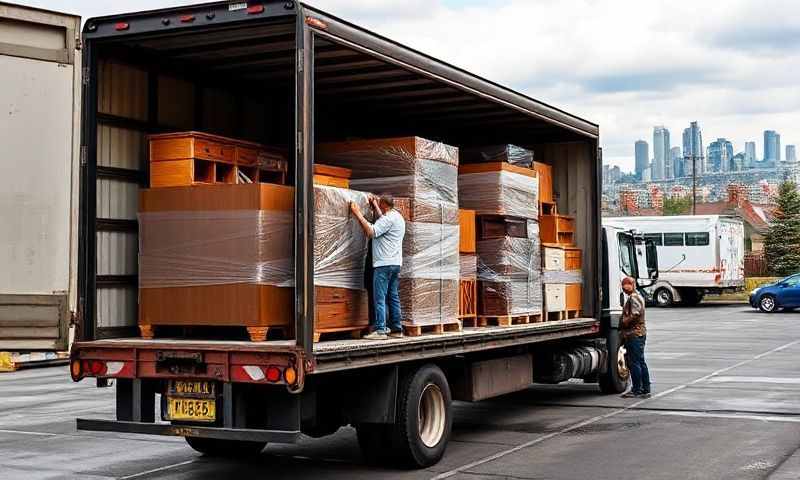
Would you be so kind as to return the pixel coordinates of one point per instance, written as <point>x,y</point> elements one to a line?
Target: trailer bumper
<point>242,434</point>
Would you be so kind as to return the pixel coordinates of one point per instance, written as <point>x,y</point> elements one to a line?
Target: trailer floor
<point>727,405</point>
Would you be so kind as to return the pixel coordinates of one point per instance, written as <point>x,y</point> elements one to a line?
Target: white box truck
<point>40,76</point>
<point>697,254</point>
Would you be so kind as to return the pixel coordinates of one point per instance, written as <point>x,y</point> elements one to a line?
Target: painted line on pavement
<point>732,416</point>
<point>156,470</point>
<point>23,432</point>
<point>614,413</point>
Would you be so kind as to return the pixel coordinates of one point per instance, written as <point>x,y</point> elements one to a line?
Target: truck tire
<point>663,297</point>
<point>215,447</point>
<point>424,419</point>
<point>617,376</point>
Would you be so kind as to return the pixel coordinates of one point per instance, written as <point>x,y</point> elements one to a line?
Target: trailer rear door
<point>39,102</point>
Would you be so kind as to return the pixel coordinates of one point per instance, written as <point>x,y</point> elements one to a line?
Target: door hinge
<point>84,154</point>
<point>85,75</point>
<point>300,61</point>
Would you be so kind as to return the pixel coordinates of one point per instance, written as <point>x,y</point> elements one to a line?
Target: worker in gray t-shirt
<point>387,257</point>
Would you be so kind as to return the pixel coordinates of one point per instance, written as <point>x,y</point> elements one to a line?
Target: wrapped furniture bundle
<point>422,176</point>
<point>499,189</point>
<point>221,255</point>
<point>512,154</point>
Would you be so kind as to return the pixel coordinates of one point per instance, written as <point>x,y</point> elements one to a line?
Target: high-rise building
<point>647,173</point>
<point>772,147</point>
<point>677,162</point>
<point>693,149</point>
<point>791,153</point>
<point>642,156</point>
<point>738,162</point>
<point>749,154</point>
<point>720,156</point>
<point>661,168</point>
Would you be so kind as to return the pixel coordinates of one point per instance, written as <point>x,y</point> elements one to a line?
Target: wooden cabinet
<point>553,258</point>
<point>557,229</point>
<point>545,173</point>
<point>573,258</point>
<point>574,297</point>
<point>498,226</point>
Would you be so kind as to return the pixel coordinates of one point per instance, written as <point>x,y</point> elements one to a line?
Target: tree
<point>782,242</point>
<point>677,206</point>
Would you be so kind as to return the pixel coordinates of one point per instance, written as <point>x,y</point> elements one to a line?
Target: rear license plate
<point>193,401</point>
<point>191,409</point>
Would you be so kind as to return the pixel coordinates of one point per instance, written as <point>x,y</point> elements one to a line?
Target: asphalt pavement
<point>726,405</point>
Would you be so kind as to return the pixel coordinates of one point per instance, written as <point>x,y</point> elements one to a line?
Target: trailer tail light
<point>94,368</point>
<point>274,374</point>
<point>186,18</point>
<point>290,375</point>
<point>120,26</point>
<point>75,370</point>
<point>255,9</point>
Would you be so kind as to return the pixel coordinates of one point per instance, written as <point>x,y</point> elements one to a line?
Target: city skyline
<point>771,150</point>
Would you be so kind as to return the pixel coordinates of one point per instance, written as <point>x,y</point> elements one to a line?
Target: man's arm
<point>365,225</point>
<point>373,200</point>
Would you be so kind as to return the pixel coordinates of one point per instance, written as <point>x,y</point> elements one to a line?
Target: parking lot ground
<point>726,405</point>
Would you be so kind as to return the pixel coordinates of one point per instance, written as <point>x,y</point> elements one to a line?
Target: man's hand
<point>354,208</point>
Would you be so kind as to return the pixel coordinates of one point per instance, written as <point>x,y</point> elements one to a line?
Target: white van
<point>697,254</point>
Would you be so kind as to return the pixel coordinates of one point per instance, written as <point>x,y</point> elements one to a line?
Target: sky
<point>732,65</point>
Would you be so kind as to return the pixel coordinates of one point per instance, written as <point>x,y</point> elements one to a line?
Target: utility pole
<point>694,184</point>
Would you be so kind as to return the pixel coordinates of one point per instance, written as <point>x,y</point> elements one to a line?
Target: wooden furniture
<point>547,203</point>
<point>555,300</point>
<point>557,229</point>
<point>466,231</point>
<point>574,299</point>
<point>468,298</point>
<point>553,258</point>
<point>196,158</point>
<point>257,307</point>
<point>573,258</point>
<point>498,226</point>
<point>512,154</point>
<point>495,167</point>
<point>331,176</point>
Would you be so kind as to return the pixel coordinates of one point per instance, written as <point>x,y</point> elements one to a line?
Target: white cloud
<point>625,64</point>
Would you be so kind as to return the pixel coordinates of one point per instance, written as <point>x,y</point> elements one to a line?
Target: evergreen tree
<point>782,243</point>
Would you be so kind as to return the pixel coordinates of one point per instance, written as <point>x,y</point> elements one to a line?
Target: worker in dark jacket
<point>634,335</point>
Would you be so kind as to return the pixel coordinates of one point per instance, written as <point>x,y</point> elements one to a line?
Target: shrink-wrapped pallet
<point>422,176</point>
<point>509,276</point>
<point>521,157</point>
<point>499,189</point>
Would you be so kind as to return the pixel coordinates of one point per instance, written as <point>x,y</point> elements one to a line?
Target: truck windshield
<point>627,255</point>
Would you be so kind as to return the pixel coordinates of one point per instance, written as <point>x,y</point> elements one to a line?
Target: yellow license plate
<point>195,388</point>
<point>191,409</point>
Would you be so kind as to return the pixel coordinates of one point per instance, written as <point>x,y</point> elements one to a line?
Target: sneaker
<point>375,336</point>
<point>397,334</point>
<point>630,395</point>
<point>644,395</point>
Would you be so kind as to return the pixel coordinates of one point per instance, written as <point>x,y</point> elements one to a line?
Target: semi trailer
<point>286,73</point>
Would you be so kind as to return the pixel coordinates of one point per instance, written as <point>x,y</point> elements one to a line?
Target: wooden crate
<point>553,257</point>
<point>558,229</point>
<point>555,297</point>
<point>467,235</point>
<point>468,298</point>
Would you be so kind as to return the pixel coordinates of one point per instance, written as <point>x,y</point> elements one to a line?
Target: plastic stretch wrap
<point>468,266</point>
<point>404,167</point>
<point>215,247</point>
<point>340,245</point>
<point>510,276</point>
<point>512,154</point>
<point>566,276</point>
<point>500,193</point>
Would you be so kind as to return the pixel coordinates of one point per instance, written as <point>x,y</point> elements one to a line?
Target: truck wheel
<point>767,304</point>
<point>663,297</point>
<point>616,378</point>
<point>216,447</point>
<point>424,418</point>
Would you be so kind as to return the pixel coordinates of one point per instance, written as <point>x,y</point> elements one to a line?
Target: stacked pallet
<point>221,255</point>
<point>422,176</point>
<point>505,198</point>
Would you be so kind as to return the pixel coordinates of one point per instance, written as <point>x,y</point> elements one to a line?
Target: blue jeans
<point>386,290</point>
<point>635,357</point>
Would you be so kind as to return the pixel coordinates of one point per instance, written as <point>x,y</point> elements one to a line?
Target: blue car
<point>784,294</point>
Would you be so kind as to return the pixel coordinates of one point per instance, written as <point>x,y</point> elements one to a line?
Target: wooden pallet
<point>557,315</point>
<point>435,329</point>
<point>503,320</point>
<point>355,332</point>
<point>256,334</point>
<point>573,314</point>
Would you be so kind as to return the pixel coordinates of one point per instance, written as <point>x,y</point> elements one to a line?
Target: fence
<point>755,265</point>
